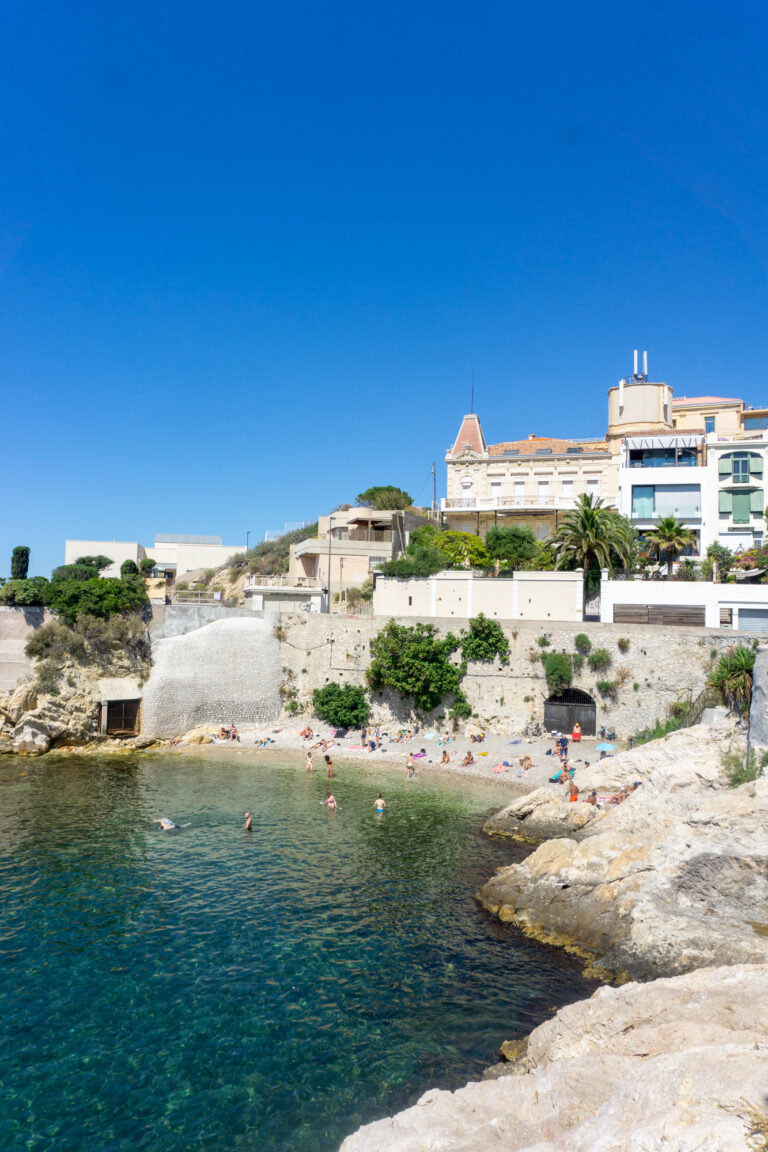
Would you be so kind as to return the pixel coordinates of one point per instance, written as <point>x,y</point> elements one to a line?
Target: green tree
<point>484,640</point>
<point>558,671</point>
<point>667,540</point>
<point>512,545</point>
<point>344,706</point>
<point>20,562</point>
<point>415,662</point>
<point>84,568</point>
<point>718,563</point>
<point>416,560</point>
<point>129,568</point>
<point>733,676</point>
<point>97,596</point>
<point>35,592</point>
<point>462,549</point>
<point>385,498</point>
<point>594,536</point>
<point>146,566</point>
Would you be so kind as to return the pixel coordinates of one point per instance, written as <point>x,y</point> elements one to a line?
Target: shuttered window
<point>741,507</point>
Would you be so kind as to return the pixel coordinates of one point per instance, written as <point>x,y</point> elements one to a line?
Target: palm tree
<point>594,536</point>
<point>733,676</point>
<point>668,539</point>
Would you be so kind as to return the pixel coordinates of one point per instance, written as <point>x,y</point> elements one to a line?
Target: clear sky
<point>251,253</point>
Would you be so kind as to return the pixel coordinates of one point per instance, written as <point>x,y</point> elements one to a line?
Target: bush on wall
<point>558,671</point>
<point>343,706</point>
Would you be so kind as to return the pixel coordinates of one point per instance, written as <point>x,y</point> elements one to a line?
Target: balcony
<point>291,583</point>
<point>510,503</point>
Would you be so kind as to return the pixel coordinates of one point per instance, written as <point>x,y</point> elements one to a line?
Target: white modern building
<point>174,556</point>
<point>665,474</point>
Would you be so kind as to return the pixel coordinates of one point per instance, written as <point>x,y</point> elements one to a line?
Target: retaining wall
<point>16,627</point>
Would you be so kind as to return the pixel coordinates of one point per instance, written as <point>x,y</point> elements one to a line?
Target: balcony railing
<point>492,503</point>
<point>283,581</point>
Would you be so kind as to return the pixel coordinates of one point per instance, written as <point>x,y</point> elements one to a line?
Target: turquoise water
<point>211,989</point>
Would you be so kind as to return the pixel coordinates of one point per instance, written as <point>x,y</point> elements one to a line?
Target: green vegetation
<point>577,661</point>
<point>738,770</point>
<point>558,670</point>
<point>29,593</point>
<point>416,560</point>
<point>90,636</point>
<point>361,595</point>
<point>97,597</point>
<point>608,687</point>
<point>543,641</point>
<point>270,558</point>
<point>718,563</point>
<point>385,498</point>
<point>129,568</point>
<point>484,640</point>
<point>431,550</point>
<point>146,566</point>
<point>660,729</point>
<point>416,663</point>
<point>623,644</point>
<point>582,643</point>
<point>599,659</point>
<point>593,537</point>
<point>732,675</point>
<point>20,562</point>
<point>513,546</point>
<point>667,541</point>
<point>343,706</point>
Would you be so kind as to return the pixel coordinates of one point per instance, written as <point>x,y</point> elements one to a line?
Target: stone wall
<point>16,627</point>
<point>178,619</point>
<point>667,664</point>
<point>224,672</point>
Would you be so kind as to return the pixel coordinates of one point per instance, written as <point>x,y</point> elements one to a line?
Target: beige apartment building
<point>350,545</point>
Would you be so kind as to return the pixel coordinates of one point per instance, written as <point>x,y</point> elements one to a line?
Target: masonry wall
<point>667,664</point>
<point>227,671</point>
<point>16,627</point>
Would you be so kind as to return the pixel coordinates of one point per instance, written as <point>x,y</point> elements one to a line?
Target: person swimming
<point>330,801</point>
<point>166,825</point>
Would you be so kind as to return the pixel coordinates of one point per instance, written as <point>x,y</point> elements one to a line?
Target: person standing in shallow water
<point>328,765</point>
<point>330,802</point>
<point>379,804</point>
<point>248,822</point>
<point>310,766</point>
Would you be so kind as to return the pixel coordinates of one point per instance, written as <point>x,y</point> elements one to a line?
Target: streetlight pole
<point>247,538</point>
<point>330,538</point>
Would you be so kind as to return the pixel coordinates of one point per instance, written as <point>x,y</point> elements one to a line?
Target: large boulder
<point>22,699</point>
<point>31,737</point>
<point>541,815</point>
<point>674,878</point>
<point>677,1064</point>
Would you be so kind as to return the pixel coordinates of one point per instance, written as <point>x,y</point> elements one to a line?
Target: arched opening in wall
<point>562,711</point>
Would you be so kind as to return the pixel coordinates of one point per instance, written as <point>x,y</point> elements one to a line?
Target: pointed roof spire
<point>470,437</point>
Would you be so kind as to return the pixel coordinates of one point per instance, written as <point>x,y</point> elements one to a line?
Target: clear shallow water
<point>210,989</point>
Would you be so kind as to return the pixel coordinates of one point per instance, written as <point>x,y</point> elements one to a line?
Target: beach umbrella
<point>605,748</point>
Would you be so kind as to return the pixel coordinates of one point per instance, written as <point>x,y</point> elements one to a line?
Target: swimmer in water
<point>379,804</point>
<point>310,765</point>
<point>330,802</point>
<point>166,825</point>
<point>328,765</point>
<point>248,822</point>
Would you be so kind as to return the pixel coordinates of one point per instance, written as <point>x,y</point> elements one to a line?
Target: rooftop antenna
<point>472,405</point>
<point>635,363</point>
<point>645,365</point>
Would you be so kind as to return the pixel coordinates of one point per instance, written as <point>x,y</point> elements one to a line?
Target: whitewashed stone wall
<point>225,672</point>
<point>16,627</point>
<point>667,664</point>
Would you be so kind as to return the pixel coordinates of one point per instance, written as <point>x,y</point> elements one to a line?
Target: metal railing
<point>491,503</point>
<point>282,581</point>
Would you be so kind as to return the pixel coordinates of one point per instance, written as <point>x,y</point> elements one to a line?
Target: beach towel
<point>500,767</point>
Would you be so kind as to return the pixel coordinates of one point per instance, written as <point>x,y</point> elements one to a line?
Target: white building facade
<point>174,556</point>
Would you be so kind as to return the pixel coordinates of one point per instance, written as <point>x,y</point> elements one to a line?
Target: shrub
<point>417,560</point>
<point>47,678</point>
<point>738,770</point>
<point>558,671</point>
<point>462,709</point>
<point>90,637</point>
<point>97,597</point>
<point>270,558</point>
<point>361,595</point>
<point>146,566</point>
<point>732,675</point>
<point>484,640</point>
<point>635,687</point>
<point>607,687</point>
<point>20,562</point>
<point>577,661</point>
<point>513,545</point>
<point>415,662</point>
<point>182,586</point>
<point>599,659</point>
<point>582,643</point>
<point>623,644</point>
<point>660,729</point>
<point>343,706</point>
<point>129,568</point>
<point>34,592</point>
<point>543,641</point>
<point>385,498</point>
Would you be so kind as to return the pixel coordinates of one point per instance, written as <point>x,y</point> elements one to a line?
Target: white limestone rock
<point>679,1065</point>
<point>541,815</point>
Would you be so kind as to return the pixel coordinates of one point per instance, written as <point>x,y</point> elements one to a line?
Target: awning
<point>367,514</point>
<point>672,440</point>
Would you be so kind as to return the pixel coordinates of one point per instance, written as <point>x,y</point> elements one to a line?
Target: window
<point>567,489</point>
<point>642,501</point>
<point>519,491</point>
<point>740,465</point>
<point>709,423</point>
<point>544,491</point>
<point>755,423</point>
<point>592,486</point>
<point>495,489</point>
<point>741,507</point>
<point>740,469</point>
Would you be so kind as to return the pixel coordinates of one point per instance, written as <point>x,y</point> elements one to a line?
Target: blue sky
<point>250,254</point>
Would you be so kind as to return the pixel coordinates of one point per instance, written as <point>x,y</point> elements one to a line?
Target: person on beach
<point>592,799</point>
<point>445,758</point>
<point>410,767</point>
<point>468,760</point>
<point>248,822</point>
<point>576,734</point>
<point>310,765</point>
<point>234,734</point>
<point>330,802</point>
<point>379,804</point>
<point>306,733</point>
<point>328,765</point>
<point>573,792</point>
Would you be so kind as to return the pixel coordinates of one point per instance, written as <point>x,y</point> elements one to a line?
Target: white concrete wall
<point>527,596</point>
<point>683,593</point>
<point>118,550</point>
<point>186,557</point>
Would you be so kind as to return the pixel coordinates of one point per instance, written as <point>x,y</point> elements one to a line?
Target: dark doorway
<point>561,712</point>
<point>123,717</point>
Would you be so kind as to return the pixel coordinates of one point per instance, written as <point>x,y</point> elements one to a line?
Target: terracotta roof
<point>470,436</point>
<point>695,401</point>
<point>532,445</point>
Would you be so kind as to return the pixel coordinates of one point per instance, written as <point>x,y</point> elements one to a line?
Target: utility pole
<point>434,488</point>
<point>247,538</point>
<point>330,526</point>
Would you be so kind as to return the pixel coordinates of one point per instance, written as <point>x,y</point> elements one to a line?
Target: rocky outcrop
<point>541,815</point>
<point>677,1064</point>
<point>674,878</point>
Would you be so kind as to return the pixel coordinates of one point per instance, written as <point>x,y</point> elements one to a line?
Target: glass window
<point>755,423</point>
<point>642,501</point>
<point>709,423</point>
<point>740,468</point>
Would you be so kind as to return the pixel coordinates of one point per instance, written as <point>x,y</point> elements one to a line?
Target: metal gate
<point>561,712</point>
<point>753,620</point>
